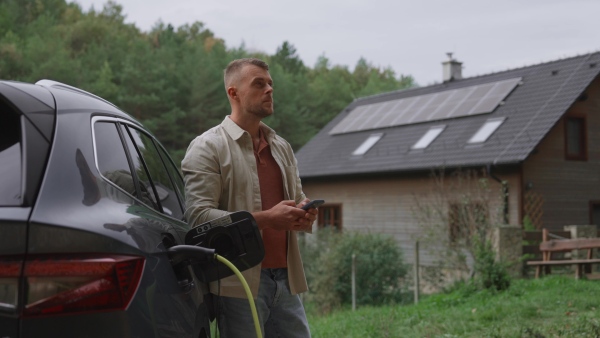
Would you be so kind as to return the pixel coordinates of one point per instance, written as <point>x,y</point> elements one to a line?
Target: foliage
<point>489,273</point>
<point>458,216</point>
<point>554,306</point>
<point>527,224</point>
<point>318,268</point>
<point>379,269</point>
<point>170,78</point>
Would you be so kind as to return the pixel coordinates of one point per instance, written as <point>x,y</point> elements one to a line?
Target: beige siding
<point>568,186</point>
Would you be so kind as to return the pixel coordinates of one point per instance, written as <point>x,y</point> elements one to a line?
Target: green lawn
<point>554,306</point>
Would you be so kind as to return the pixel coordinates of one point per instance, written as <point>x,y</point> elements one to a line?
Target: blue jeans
<point>280,313</point>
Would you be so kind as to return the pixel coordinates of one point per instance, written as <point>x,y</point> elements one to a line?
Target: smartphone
<point>313,204</point>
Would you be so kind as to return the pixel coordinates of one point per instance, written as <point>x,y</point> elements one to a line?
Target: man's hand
<point>309,217</point>
<point>286,215</point>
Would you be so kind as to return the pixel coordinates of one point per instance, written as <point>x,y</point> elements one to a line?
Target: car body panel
<point>13,226</point>
<point>70,207</point>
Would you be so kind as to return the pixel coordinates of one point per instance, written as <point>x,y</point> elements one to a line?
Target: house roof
<point>544,93</point>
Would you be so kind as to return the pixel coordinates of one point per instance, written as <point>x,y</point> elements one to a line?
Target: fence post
<point>353,282</point>
<point>416,272</point>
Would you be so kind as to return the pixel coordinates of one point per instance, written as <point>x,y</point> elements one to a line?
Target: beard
<point>260,110</point>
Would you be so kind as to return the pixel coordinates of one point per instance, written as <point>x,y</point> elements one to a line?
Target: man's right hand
<point>283,216</point>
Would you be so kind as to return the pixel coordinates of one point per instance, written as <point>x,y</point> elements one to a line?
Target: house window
<point>575,139</point>
<point>429,137</point>
<point>330,216</point>
<point>465,219</point>
<point>367,144</point>
<point>595,213</point>
<point>488,128</point>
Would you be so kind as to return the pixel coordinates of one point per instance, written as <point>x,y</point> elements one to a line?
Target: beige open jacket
<point>220,177</point>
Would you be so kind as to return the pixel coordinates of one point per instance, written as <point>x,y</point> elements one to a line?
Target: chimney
<point>452,69</point>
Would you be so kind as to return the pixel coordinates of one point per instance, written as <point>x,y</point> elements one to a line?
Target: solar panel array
<point>480,99</point>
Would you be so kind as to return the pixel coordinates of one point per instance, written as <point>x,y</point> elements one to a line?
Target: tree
<point>292,117</point>
<point>288,59</point>
<point>170,78</point>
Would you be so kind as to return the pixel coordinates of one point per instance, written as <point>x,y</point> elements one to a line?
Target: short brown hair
<point>234,67</point>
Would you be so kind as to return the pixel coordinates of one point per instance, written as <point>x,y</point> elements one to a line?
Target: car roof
<point>63,99</point>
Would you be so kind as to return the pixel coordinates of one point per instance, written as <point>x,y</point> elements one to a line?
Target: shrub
<point>379,269</point>
<point>489,273</point>
<point>317,267</point>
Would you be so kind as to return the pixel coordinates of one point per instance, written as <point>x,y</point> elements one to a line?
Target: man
<point>242,164</point>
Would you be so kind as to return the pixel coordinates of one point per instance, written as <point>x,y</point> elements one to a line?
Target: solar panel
<point>375,115</point>
<point>480,99</point>
<point>437,110</point>
<point>387,116</point>
<point>405,114</point>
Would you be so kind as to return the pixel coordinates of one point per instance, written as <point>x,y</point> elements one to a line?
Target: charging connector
<point>180,253</point>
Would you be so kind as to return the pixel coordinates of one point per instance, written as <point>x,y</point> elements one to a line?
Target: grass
<point>554,306</point>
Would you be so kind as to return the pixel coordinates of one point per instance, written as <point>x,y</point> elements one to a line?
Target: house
<point>534,132</point>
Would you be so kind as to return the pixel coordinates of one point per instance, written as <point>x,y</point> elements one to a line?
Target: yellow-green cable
<point>248,293</point>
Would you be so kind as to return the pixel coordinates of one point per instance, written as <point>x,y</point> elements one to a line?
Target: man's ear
<point>232,93</point>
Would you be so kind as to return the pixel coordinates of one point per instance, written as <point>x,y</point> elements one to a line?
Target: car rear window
<point>10,157</point>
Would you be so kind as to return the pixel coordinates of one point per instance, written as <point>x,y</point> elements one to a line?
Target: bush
<point>328,261</point>
<point>489,273</point>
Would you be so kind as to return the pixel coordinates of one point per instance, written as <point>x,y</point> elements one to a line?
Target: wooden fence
<point>531,244</point>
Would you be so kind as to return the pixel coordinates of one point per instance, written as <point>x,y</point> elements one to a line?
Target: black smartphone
<point>313,204</point>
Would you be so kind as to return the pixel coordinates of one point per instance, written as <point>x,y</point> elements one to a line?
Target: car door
<point>175,305</point>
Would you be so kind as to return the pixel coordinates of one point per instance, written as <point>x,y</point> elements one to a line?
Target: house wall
<point>388,205</point>
<point>567,186</point>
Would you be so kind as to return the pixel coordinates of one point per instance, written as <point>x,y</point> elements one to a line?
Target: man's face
<point>255,90</point>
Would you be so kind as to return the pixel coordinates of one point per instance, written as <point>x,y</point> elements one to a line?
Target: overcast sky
<point>411,37</point>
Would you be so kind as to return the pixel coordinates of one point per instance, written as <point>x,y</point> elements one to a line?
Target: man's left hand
<point>309,217</point>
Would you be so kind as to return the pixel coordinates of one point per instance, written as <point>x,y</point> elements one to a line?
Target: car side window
<point>145,156</point>
<point>175,173</point>
<point>112,160</point>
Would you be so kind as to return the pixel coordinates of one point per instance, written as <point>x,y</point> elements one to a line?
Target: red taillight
<point>58,284</point>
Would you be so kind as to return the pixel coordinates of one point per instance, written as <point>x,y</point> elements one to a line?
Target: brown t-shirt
<point>271,193</point>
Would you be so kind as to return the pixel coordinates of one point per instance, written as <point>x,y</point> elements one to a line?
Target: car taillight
<point>57,284</point>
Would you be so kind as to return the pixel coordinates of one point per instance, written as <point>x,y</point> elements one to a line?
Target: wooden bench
<point>532,240</point>
<point>549,247</point>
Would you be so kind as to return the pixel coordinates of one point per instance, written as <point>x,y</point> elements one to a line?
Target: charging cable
<point>248,293</point>
<point>179,253</point>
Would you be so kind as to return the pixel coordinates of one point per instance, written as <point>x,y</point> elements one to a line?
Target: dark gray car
<point>89,204</point>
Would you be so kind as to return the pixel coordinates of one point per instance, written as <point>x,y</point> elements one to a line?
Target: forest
<point>171,78</point>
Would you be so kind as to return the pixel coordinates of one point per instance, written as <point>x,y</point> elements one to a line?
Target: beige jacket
<point>220,177</point>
